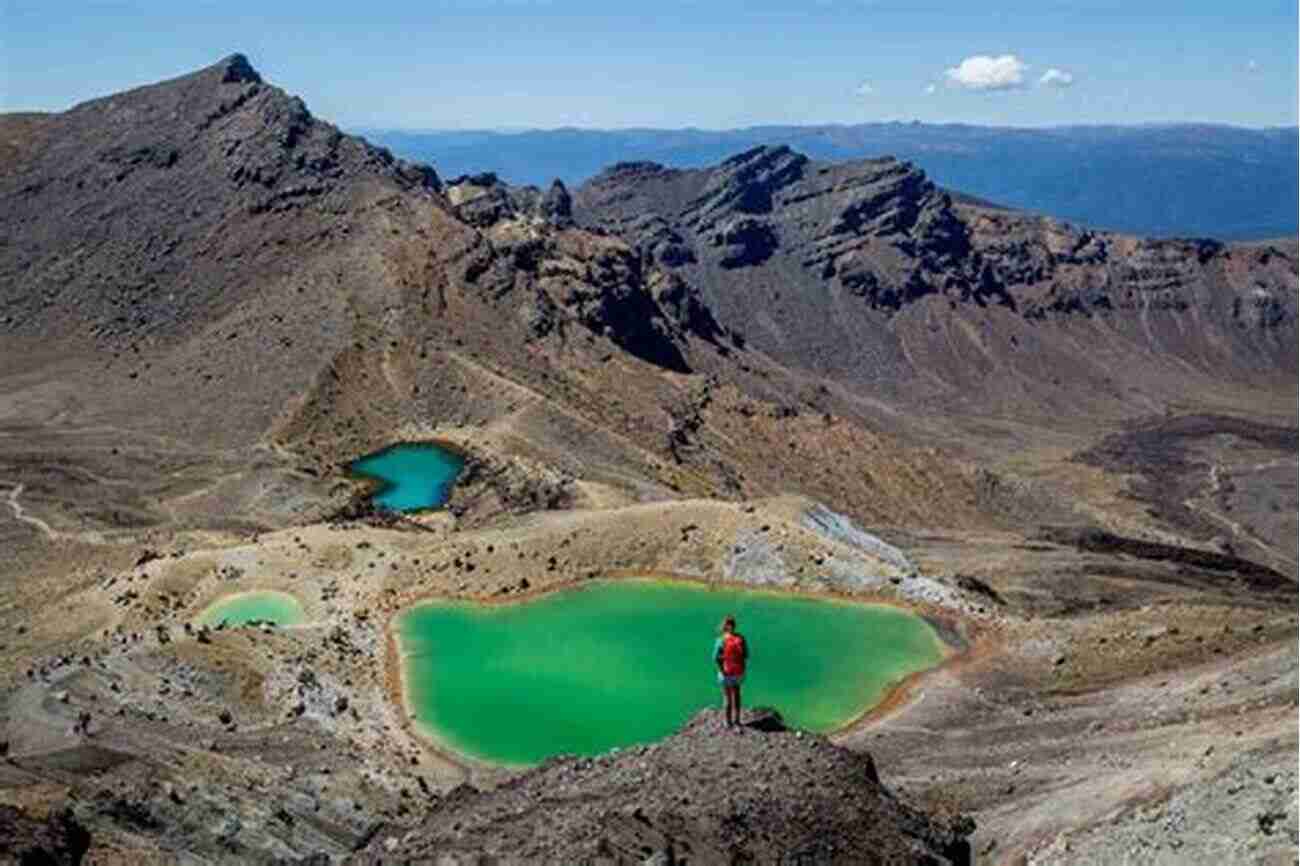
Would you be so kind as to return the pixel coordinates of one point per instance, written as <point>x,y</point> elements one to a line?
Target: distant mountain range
<point>1187,180</point>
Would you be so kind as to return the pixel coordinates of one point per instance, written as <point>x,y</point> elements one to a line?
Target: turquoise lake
<point>413,475</point>
<point>622,662</point>
<point>263,605</point>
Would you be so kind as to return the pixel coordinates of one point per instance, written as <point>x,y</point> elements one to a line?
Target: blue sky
<point>474,64</point>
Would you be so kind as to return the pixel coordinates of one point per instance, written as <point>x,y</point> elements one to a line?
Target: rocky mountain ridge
<point>868,275</point>
<point>558,275</point>
<point>135,209</point>
<point>1149,180</point>
<point>880,231</point>
<point>865,271</point>
<point>770,199</point>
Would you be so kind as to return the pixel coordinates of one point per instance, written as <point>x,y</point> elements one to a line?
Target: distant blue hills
<point>1184,180</point>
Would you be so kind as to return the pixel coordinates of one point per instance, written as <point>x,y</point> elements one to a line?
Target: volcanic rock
<point>59,840</point>
<point>707,795</point>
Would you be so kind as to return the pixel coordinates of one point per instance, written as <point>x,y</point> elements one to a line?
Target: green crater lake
<point>277,607</point>
<point>620,662</point>
<point>413,475</point>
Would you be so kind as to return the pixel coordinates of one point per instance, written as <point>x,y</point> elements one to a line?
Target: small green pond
<point>413,475</point>
<point>244,607</point>
<point>621,662</point>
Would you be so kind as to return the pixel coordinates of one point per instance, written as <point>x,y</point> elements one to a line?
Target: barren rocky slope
<point>1074,451</point>
<point>706,795</point>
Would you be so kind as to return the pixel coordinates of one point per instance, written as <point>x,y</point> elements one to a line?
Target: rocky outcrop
<point>747,183</point>
<point>59,840</point>
<point>683,305</point>
<point>480,199</point>
<point>706,795</point>
<point>1055,271</point>
<point>745,241</point>
<point>483,200</point>
<point>556,205</point>
<point>532,255</point>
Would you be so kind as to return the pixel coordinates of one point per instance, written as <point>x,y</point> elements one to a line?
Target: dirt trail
<point>23,517</point>
<point>1200,506</point>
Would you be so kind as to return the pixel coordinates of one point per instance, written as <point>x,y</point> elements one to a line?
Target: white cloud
<point>929,88</point>
<point>1056,78</point>
<point>865,89</point>
<point>982,72</point>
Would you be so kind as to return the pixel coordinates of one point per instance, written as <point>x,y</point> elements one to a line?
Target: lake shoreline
<point>245,594</point>
<point>954,641</point>
<point>374,485</point>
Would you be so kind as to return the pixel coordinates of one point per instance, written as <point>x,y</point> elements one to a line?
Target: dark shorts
<point>726,681</point>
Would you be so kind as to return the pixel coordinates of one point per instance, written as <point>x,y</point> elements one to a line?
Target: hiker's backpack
<point>733,655</point>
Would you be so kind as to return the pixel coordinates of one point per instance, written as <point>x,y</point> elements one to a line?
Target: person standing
<point>730,654</point>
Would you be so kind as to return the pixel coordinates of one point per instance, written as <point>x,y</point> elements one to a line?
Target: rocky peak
<point>557,204</point>
<point>237,70</point>
<point>747,183</point>
<point>147,181</point>
<point>483,200</point>
<point>530,254</point>
<point>631,169</point>
<point>878,227</point>
<point>480,199</point>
